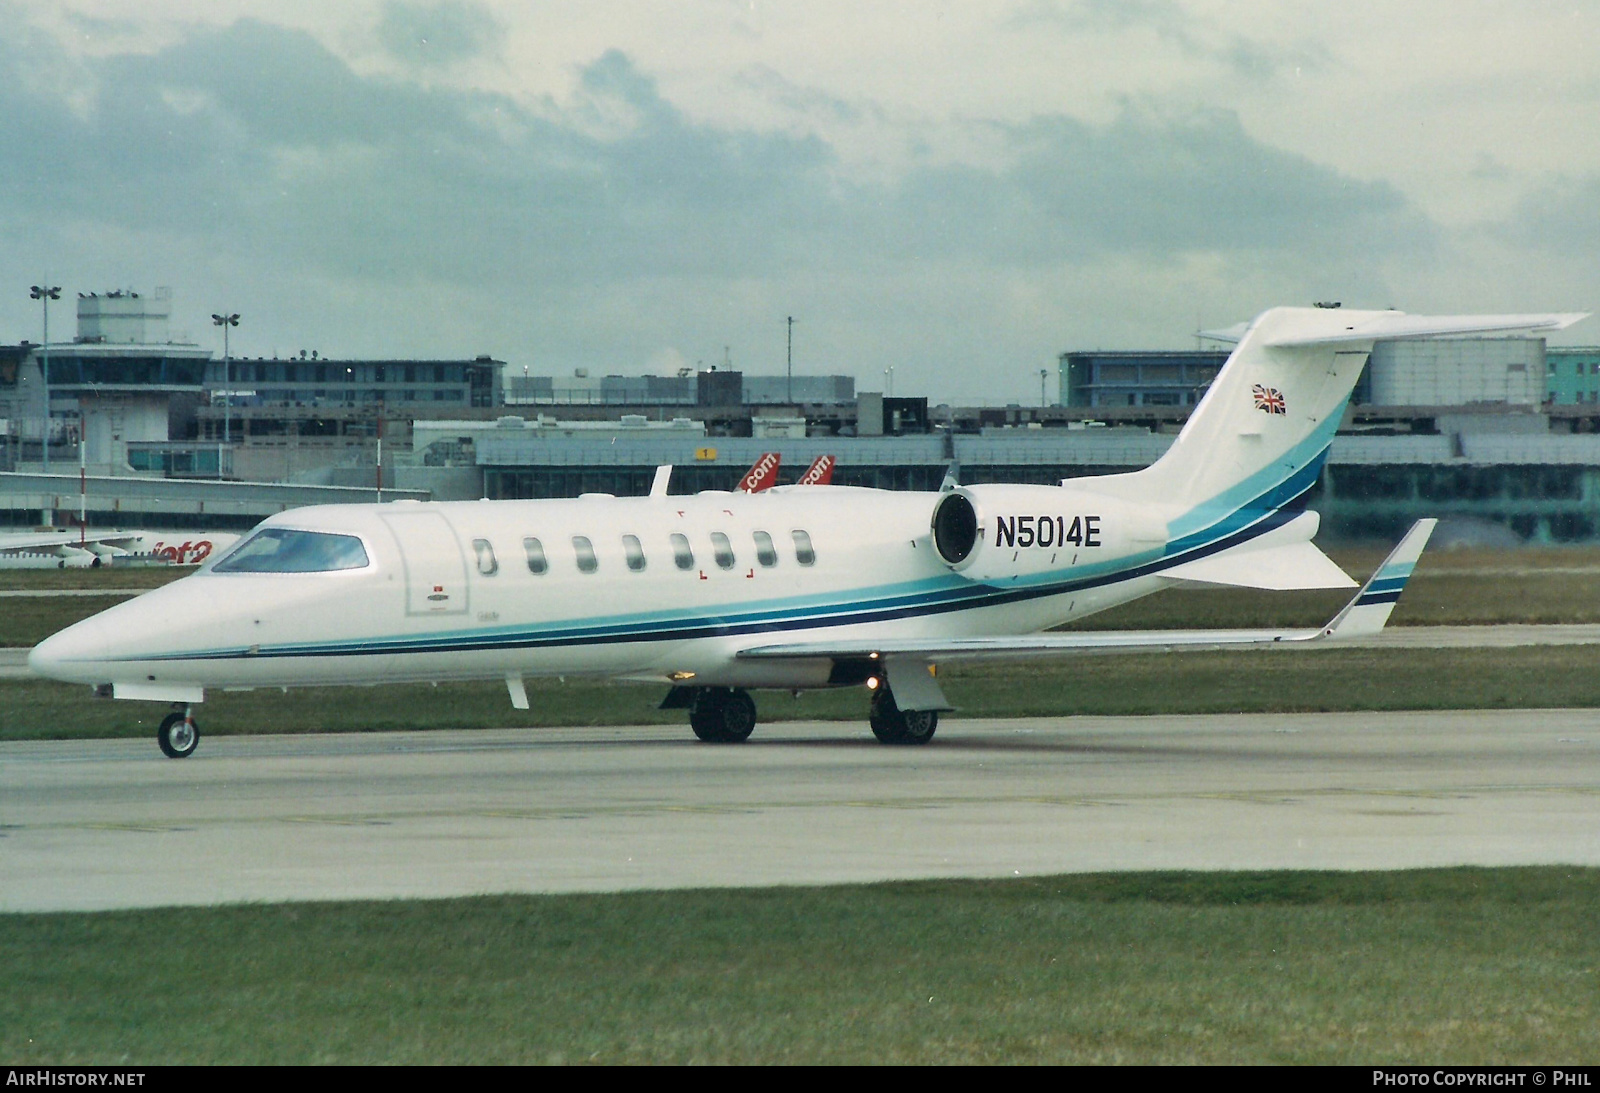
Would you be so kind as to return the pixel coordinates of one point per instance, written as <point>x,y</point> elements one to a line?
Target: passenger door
<point>436,571</point>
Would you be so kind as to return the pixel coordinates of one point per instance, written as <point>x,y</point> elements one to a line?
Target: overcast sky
<point>957,193</point>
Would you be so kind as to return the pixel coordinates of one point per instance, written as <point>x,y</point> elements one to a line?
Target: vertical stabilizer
<point>1255,444</point>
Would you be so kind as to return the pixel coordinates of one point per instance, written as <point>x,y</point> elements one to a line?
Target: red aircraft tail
<point>820,473</point>
<point>763,475</point>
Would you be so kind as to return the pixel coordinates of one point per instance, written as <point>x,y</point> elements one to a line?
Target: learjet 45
<point>721,593</point>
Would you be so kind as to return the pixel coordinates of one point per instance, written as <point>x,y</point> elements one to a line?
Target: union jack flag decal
<point>1269,400</point>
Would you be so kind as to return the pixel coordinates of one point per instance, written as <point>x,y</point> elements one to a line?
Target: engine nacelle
<point>1001,532</point>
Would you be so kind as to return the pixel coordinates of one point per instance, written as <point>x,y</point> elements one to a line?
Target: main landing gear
<point>892,725</point>
<point>179,734</point>
<point>727,715</point>
<point>722,715</point>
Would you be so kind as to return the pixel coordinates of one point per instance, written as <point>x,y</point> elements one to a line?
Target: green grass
<point>25,621</point>
<point>1250,681</point>
<point>133,576</point>
<point>1457,966</point>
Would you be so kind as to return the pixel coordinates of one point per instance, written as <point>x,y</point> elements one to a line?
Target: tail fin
<point>763,475</point>
<point>820,473</point>
<point>1256,442</point>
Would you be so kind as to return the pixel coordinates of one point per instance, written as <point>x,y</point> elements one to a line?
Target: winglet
<point>1365,615</point>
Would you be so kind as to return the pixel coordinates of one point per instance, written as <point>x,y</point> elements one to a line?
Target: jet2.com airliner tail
<point>718,594</point>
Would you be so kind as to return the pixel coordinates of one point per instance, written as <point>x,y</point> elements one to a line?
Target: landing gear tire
<point>178,735</point>
<point>722,716</point>
<point>892,725</point>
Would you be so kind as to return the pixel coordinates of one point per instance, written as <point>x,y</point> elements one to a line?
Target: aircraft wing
<point>41,542</point>
<point>906,660</point>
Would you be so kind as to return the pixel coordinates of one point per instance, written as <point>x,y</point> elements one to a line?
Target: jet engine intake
<point>955,528</point>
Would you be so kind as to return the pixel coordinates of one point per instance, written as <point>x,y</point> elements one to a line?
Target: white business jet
<point>792,587</point>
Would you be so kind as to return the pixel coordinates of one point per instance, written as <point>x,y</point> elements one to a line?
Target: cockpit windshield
<point>283,550</point>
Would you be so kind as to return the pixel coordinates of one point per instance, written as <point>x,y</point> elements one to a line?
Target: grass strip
<point>1456,966</point>
<point>25,621</point>
<point>114,576</point>
<point>1243,681</point>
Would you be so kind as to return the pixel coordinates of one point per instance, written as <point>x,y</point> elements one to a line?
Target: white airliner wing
<point>44,542</point>
<point>905,660</point>
<point>38,540</point>
<point>77,547</point>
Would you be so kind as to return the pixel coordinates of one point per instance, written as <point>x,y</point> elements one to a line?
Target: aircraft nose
<point>75,654</point>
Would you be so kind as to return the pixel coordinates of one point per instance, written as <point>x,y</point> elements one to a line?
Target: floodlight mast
<point>44,294</point>
<point>225,321</point>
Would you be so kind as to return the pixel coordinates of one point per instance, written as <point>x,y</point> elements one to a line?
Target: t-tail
<point>1253,448</point>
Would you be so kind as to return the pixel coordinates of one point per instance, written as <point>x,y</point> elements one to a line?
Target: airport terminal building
<point>1504,432</point>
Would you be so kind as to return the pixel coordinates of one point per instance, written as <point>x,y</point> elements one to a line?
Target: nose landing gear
<point>179,734</point>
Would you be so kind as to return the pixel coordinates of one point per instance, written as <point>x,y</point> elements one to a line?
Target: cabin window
<point>635,552</point>
<point>282,550</point>
<point>766,553</point>
<point>587,563</point>
<point>802,547</point>
<point>682,556</point>
<point>535,552</point>
<point>485,552</point>
<point>722,550</point>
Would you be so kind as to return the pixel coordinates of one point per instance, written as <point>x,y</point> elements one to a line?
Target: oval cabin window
<point>584,549</point>
<point>682,555</point>
<point>534,549</point>
<point>486,563</point>
<point>634,551</point>
<point>766,553</point>
<point>802,547</point>
<point>722,550</point>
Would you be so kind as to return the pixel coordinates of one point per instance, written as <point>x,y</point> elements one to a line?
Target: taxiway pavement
<point>107,824</point>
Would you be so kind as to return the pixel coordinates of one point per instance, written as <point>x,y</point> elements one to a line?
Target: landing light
<point>679,677</point>
<point>873,683</point>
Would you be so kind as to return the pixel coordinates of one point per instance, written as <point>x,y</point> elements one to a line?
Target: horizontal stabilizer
<point>1279,568</point>
<point>1331,326</point>
<point>1280,560</point>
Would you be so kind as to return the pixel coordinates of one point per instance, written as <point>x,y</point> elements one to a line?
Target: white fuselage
<point>449,591</point>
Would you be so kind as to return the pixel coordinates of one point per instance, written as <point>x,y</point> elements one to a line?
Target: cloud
<point>1158,186</point>
<point>1559,217</point>
<point>1168,21</point>
<point>433,35</point>
<point>613,227</point>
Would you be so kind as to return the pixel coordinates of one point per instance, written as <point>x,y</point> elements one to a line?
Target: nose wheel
<point>179,734</point>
